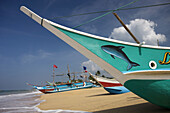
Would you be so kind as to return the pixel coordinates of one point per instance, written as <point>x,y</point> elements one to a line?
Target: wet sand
<point>98,100</point>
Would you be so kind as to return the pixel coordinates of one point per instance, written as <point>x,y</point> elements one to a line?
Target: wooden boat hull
<point>110,85</point>
<point>46,90</point>
<point>127,62</point>
<point>62,88</point>
<point>69,88</point>
<point>105,82</point>
<point>154,91</point>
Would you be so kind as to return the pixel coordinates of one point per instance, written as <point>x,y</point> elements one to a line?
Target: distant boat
<point>143,69</point>
<point>52,87</point>
<point>64,87</point>
<point>110,85</point>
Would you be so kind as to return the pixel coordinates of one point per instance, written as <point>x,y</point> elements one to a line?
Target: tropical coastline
<point>133,49</point>
<point>24,101</point>
<point>97,100</point>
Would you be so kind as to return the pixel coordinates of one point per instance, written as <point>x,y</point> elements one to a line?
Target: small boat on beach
<point>143,69</point>
<point>110,85</point>
<point>52,87</point>
<point>63,87</point>
<point>106,82</point>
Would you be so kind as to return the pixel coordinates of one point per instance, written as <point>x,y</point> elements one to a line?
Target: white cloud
<point>29,58</point>
<point>93,68</point>
<point>143,31</point>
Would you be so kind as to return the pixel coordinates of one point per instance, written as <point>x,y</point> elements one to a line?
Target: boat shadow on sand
<point>139,108</point>
<point>104,94</point>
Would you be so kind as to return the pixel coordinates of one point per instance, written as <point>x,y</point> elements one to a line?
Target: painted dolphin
<point>117,51</point>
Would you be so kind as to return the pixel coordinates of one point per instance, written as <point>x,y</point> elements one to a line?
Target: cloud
<point>93,68</point>
<point>40,55</point>
<point>142,29</point>
<point>49,4</point>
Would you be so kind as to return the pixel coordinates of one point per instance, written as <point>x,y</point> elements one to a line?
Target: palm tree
<point>97,73</point>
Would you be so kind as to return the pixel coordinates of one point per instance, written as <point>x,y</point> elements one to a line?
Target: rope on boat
<point>111,10</point>
<point>105,14</point>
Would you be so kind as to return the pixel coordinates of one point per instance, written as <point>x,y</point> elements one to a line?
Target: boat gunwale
<point>104,38</point>
<point>106,79</point>
<point>147,71</point>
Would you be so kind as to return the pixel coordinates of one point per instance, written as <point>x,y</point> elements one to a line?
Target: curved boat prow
<point>31,14</point>
<point>51,26</point>
<point>143,69</point>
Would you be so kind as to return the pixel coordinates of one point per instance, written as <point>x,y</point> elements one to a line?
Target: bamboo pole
<point>157,42</point>
<point>136,40</point>
<point>53,75</point>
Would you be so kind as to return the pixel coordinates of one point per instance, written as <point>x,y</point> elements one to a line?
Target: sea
<point>25,101</point>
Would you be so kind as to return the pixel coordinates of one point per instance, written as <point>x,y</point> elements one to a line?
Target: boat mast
<point>68,72</point>
<point>136,40</point>
<point>53,75</point>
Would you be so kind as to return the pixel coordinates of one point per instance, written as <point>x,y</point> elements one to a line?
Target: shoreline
<point>97,100</point>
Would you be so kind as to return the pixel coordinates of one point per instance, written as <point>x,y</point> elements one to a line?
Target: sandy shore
<point>97,100</point>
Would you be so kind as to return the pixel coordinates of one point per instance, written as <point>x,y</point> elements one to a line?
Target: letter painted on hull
<point>165,61</point>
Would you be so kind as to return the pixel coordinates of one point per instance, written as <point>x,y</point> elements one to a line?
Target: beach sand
<point>97,100</point>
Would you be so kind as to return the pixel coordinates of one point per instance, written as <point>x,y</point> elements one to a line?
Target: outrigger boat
<point>143,69</point>
<point>52,87</point>
<point>63,87</point>
<point>110,84</point>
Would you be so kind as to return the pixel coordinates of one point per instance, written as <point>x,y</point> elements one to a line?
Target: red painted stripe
<point>106,84</point>
<point>45,90</point>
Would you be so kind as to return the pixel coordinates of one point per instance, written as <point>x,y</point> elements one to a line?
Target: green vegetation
<point>91,78</point>
<point>79,80</point>
<point>98,73</point>
<point>57,82</point>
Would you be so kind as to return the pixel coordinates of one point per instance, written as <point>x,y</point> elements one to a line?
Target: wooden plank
<point>136,40</point>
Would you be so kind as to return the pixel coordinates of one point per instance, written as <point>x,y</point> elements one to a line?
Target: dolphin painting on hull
<point>117,51</point>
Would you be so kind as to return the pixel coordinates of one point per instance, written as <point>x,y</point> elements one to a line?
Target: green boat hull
<point>155,91</point>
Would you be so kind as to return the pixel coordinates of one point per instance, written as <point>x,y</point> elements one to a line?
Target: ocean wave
<point>59,111</point>
<point>19,94</point>
<point>35,109</point>
<point>26,103</point>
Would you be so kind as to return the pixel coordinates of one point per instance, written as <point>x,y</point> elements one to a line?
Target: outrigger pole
<point>136,40</point>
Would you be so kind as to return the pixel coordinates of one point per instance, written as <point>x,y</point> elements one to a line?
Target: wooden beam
<point>136,40</point>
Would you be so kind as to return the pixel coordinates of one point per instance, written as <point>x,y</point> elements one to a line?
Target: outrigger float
<point>143,69</point>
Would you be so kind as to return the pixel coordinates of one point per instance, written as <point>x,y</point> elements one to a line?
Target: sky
<point>28,51</point>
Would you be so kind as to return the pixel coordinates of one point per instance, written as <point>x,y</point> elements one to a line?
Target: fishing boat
<point>106,82</point>
<point>52,87</point>
<point>42,89</point>
<point>109,84</point>
<point>63,87</point>
<point>143,69</point>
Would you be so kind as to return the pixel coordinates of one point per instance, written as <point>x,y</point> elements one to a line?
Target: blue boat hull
<point>116,90</point>
<point>65,87</point>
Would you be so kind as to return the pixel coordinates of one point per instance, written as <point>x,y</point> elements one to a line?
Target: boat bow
<point>143,69</point>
